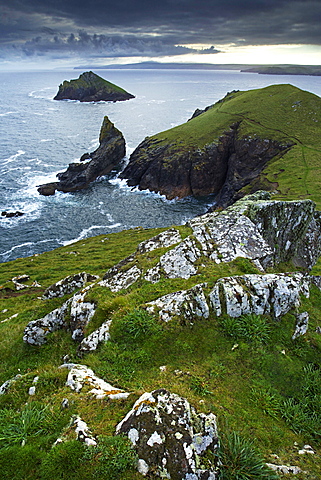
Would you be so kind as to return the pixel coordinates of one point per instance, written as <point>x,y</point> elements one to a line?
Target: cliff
<point>246,141</point>
<point>188,353</point>
<point>79,175</point>
<point>90,87</point>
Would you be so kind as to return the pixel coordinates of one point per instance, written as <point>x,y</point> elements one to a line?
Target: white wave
<point>15,248</point>
<point>38,113</point>
<point>6,113</point>
<point>46,140</point>
<point>39,94</point>
<point>13,158</point>
<point>84,233</point>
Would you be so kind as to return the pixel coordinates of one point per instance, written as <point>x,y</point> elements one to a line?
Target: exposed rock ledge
<point>89,87</point>
<point>108,156</point>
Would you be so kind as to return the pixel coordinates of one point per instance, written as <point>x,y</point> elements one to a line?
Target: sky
<point>54,33</point>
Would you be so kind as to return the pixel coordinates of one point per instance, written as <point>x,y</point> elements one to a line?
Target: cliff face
<point>89,87</point>
<point>223,167</point>
<point>246,141</point>
<point>92,165</point>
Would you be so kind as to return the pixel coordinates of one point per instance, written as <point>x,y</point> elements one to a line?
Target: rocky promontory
<point>90,87</point>
<point>228,148</point>
<point>108,156</point>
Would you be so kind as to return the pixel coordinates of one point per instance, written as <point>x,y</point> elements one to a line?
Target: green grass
<point>253,387</point>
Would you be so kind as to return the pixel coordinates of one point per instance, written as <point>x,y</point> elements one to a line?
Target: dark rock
<point>48,188</point>
<point>12,214</point>
<point>223,167</point>
<point>171,439</point>
<point>89,87</point>
<point>107,157</point>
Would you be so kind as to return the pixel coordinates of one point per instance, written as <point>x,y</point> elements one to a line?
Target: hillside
<point>206,312</point>
<point>267,138</point>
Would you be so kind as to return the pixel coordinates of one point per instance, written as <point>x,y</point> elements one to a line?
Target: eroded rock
<point>170,437</point>
<point>189,304</point>
<point>301,326</point>
<point>270,294</point>
<point>101,335</point>
<point>106,158</point>
<point>68,285</point>
<point>121,279</point>
<point>81,375</point>
<point>74,314</point>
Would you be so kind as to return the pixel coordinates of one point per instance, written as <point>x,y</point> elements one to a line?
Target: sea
<point>41,136</point>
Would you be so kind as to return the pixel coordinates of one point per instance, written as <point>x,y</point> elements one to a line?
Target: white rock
<point>122,279</point>
<point>80,375</point>
<point>101,335</point>
<point>187,303</point>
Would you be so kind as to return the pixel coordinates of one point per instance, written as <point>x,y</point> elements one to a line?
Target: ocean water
<point>40,137</point>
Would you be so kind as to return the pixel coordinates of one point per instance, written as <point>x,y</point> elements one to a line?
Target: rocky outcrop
<point>222,167</point>
<point>172,440</point>
<point>89,87</point>
<point>264,231</point>
<point>107,157</point>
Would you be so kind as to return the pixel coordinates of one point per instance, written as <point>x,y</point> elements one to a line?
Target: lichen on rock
<point>172,440</point>
<point>81,375</point>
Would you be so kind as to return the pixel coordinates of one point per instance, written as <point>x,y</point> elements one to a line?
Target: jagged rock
<point>68,285</point>
<point>80,375</point>
<point>6,385</point>
<point>36,331</point>
<point>17,281</point>
<point>273,294</point>
<point>163,239</point>
<point>90,87</point>
<point>170,437</point>
<point>186,303</point>
<point>301,326</point>
<point>121,279</point>
<point>266,232</point>
<point>81,312</point>
<point>284,468</point>
<point>12,214</point>
<point>107,157</point>
<point>83,433</point>
<point>306,449</point>
<point>90,343</point>
<point>75,313</point>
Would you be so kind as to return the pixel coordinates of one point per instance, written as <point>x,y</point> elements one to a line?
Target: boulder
<point>172,440</point>
<point>90,87</point>
<point>107,157</point>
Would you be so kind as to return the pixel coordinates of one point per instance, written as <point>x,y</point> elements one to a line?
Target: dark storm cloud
<point>146,27</point>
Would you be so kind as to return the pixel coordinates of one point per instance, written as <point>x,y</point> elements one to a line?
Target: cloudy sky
<point>99,32</point>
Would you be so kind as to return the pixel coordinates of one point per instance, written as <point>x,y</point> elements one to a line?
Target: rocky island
<point>244,142</point>
<point>108,156</point>
<point>90,87</point>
